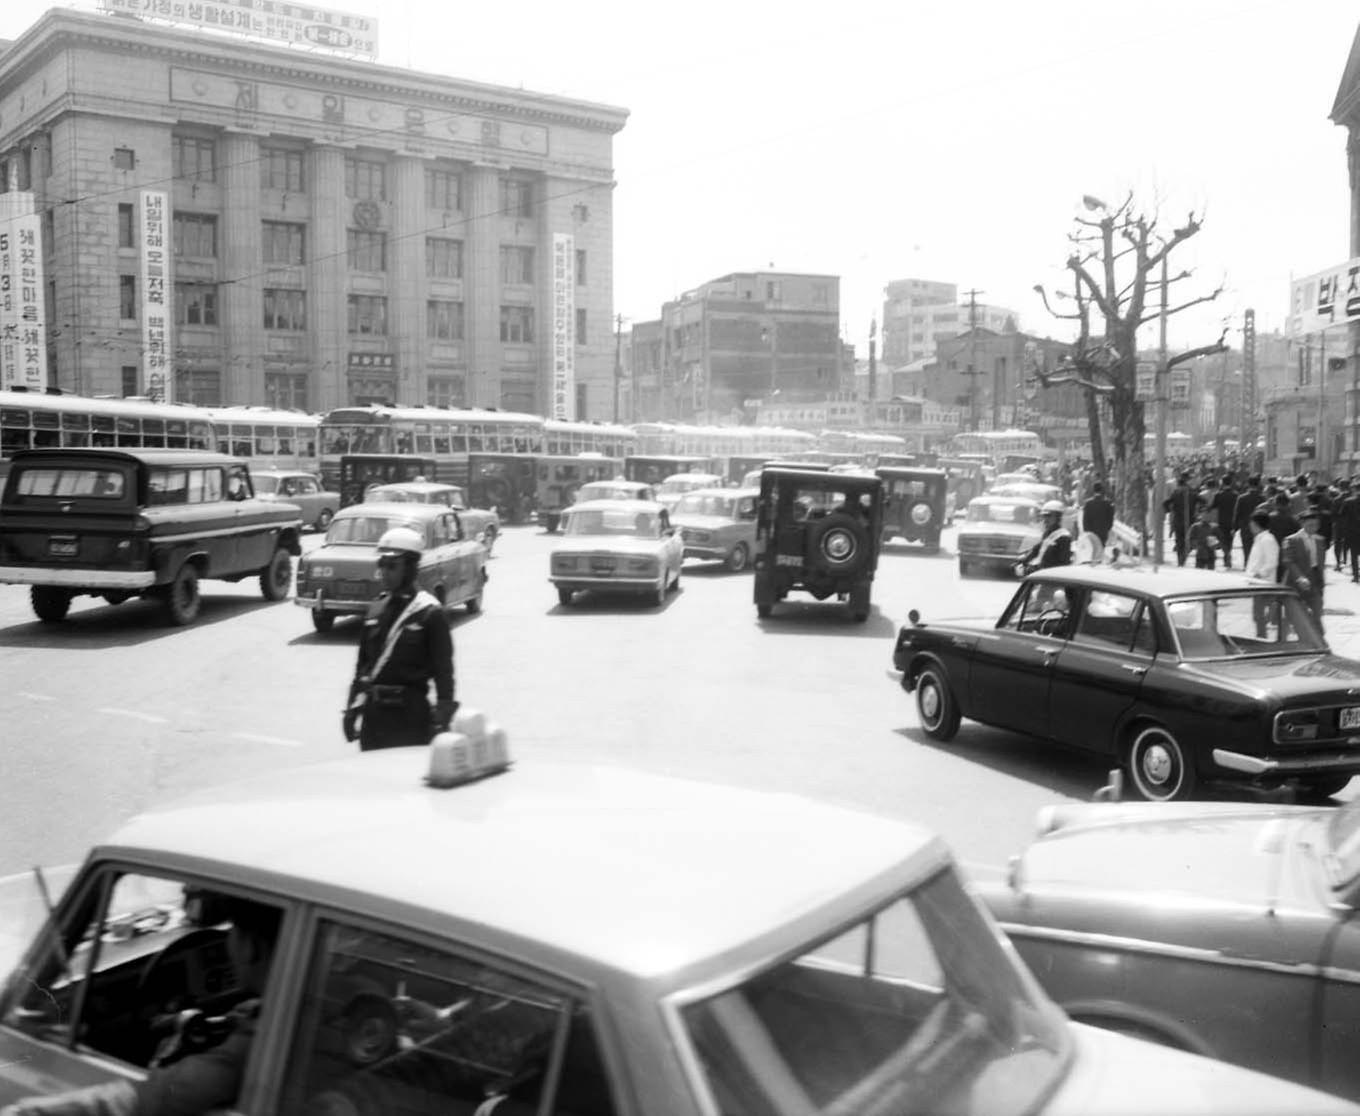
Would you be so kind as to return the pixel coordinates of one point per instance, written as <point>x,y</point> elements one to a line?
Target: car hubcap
<point>1158,765</point>
<point>839,546</point>
<point>930,702</point>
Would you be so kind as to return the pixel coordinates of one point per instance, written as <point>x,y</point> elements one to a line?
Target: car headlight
<point>309,570</point>
<point>920,514</point>
<point>642,565</point>
<point>563,563</point>
<point>1297,724</point>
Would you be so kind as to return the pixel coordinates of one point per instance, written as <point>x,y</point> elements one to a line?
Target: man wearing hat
<point>1304,557</point>
<point>1348,525</point>
<point>1181,507</point>
<point>1055,548</point>
<point>1245,504</point>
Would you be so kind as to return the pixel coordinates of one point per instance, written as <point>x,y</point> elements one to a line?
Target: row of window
<point>285,243</point>
<point>195,304</point>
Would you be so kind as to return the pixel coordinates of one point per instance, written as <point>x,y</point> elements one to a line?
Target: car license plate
<point>63,548</point>
<point>351,590</point>
<point>602,565</point>
<point>1350,717</point>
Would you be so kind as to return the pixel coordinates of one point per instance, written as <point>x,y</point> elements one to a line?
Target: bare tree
<point>1115,264</point>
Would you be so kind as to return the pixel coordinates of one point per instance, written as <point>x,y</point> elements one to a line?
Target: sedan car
<point>340,577</point>
<point>996,533</point>
<point>318,505</point>
<point>718,525</point>
<point>1182,676</point>
<point>482,524</point>
<point>624,546</point>
<point>1231,930</point>
<point>669,491</point>
<point>423,976</point>
<point>615,490</point>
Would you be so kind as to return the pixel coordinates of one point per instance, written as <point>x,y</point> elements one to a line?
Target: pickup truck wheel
<point>1324,786</point>
<point>50,604</point>
<point>182,600</point>
<point>322,621</point>
<point>736,561</point>
<point>935,704</point>
<point>1159,767</point>
<point>277,577</point>
<point>859,603</point>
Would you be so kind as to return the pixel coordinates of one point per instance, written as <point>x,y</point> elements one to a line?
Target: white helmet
<point>400,540</point>
<point>1053,507</point>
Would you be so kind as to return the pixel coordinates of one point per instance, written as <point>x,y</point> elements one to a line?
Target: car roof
<point>1002,498</point>
<point>612,867</point>
<point>1168,581</point>
<point>153,456</point>
<point>416,486</point>
<point>282,473</point>
<point>633,507</point>
<point>404,510</point>
<point>717,491</point>
<point>618,483</point>
<point>909,470</point>
<point>818,478</point>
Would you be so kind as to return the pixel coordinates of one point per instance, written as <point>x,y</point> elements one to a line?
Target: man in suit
<point>1348,526</point>
<point>1180,506</point>
<point>1304,558</point>
<point>1097,514</point>
<point>1224,503</point>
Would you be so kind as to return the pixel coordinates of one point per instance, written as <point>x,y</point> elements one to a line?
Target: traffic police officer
<point>405,646</point>
<point>1055,548</point>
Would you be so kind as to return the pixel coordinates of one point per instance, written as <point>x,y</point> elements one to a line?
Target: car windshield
<point>1230,625</point>
<point>1342,858</point>
<point>264,483</point>
<point>612,521</point>
<point>609,492</point>
<point>980,511</point>
<point>701,503</point>
<point>366,530</point>
<point>95,482</point>
<point>916,1008</point>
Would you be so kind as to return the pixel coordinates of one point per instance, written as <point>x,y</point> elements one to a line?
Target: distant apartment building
<point>916,312</point>
<point>736,342</point>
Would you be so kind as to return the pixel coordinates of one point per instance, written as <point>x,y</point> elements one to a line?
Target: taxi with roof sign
<point>482,524</point>
<point>453,934</point>
<point>616,546</point>
<point>1184,677</point>
<point>341,578</point>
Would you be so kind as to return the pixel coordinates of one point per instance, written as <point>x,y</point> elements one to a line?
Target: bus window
<point>458,440</point>
<point>441,437</point>
<point>404,439</point>
<point>153,432</point>
<point>307,441</point>
<point>265,442</point>
<point>424,443</point>
<point>370,440</point>
<point>176,434</point>
<point>473,434</point>
<point>102,430</point>
<point>287,438</point>
<point>129,430</point>
<point>242,441</point>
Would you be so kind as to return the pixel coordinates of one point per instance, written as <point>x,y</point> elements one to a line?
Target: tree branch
<point>1219,346</point>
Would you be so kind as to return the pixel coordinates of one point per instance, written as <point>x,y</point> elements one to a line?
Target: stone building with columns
<point>337,231</point>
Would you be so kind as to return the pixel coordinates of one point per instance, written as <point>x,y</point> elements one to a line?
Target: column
<point>406,264</point>
<point>242,290</point>
<point>326,316</point>
<point>482,284</point>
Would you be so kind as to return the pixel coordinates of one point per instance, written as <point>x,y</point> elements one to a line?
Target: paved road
<point>111,711</point>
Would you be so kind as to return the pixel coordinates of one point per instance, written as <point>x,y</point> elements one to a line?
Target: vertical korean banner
<point>158,382</point>
<point>23,326</point>
<point>563,325</point>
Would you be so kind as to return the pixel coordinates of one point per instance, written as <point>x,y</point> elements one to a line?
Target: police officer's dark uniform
<point>405,646</point>
<point>1055,548</point>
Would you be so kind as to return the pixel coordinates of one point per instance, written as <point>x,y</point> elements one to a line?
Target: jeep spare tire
<point>839,541</point>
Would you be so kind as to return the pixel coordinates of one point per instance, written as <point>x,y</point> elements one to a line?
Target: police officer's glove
<point>351,724</point>
<point>442,716</point>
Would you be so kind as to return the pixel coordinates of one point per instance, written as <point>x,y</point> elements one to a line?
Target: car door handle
<point>1133,668</point>
<point>1044,649</point>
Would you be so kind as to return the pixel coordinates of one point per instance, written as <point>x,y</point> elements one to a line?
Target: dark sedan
<point>1182,676</point>
<point>1222,928</point>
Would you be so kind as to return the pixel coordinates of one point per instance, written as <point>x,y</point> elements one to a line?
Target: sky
<point>878,141</point>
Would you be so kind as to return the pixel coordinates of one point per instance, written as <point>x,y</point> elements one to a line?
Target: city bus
<point>567,439</point>
<point>31,420</point>
<point>720,443</point>
<point>445,435</point>
<point>861,446</point>
<point>267,438</point>
<point>998,445</point>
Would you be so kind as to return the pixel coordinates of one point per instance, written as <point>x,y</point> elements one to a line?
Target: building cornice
<point>62,29</point>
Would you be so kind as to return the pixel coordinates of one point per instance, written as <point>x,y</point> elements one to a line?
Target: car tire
<point>1158,766</point>
<point>935,704</point>
<point>965,568</point>
<point>371,1029</point>
<point>474,604</point>
<point>50,604</point>
<point>1323,786</point>
<point>659,593</point>
<point>737,559</point>
<point>827,536</point>
<point>182,600</point>
<point>674,586</point>
<point>323,521</point>
<point>322,621</point>
<point>564,596</point>
<point>277,577</point>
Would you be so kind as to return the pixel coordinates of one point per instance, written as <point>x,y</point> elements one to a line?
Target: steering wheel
<point>1050,621</point>
<point>159,988</point>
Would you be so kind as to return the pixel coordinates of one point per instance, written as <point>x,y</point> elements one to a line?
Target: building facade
<point>917,312</point>
<point>335,231</point>
<point>732,344</point>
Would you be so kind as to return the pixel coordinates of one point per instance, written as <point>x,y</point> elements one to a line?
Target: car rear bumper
<point>77,578</point>
<point>709,551</point>
<point>1311,764</point>
<point>628,584</point>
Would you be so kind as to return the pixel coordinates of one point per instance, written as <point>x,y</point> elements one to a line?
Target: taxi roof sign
<point>473,748</point>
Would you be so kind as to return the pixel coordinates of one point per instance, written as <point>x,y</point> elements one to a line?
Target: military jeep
<point>819,533</point>
<point>915,502</point>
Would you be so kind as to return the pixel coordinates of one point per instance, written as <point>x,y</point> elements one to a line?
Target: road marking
<point>149,718</point>
<point>35,697</point>
<point>267,739</point>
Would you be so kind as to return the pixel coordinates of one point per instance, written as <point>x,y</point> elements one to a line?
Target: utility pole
<point>873,370</point>
<point>1320,455</point>
<point>1159,466</point>
<point>618,362</point>
<point>972,359</point>
<point>1249,388</point>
